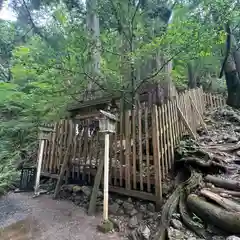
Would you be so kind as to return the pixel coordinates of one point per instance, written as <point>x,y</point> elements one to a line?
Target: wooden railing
<point>142,150</point>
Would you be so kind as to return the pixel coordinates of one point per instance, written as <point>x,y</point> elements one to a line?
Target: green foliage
<point>46,64</point>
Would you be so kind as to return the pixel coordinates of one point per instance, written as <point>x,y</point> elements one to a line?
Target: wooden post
<point>62,171</point>
<point>106,172</point>
<point>97,181</point>
<point>39,165</point>
<point>107,125</point>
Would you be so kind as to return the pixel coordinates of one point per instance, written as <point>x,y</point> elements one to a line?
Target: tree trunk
<point>192,83</point>
<point>232,75</point>
<point>94,48</point>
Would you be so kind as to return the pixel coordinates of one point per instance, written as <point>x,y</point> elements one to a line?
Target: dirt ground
<point>25,218</point>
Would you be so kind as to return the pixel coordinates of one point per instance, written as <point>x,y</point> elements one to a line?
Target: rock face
<point>232,238</point>
<point>76,189</point>
<point>151,207</point>
<point>145,232</point>
<point>87,190</point>
<point>113,208</point>
<point>174,234</point>
<point>133,212</point>
<point>133,222</point>
<point>176,224</point>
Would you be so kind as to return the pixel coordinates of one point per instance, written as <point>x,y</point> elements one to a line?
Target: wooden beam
<point>97,181</point>
<point>133,193</point>
<point>62,172</point>
<point>199,115</point>
<point>186,123</point>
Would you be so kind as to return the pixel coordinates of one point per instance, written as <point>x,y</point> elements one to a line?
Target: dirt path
<point>42,218</point>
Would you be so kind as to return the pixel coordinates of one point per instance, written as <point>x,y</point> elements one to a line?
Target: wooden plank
<point>147,147</point>
<point>186,124</point>
<point>174,126</point>
<point>190,111</point>
<point>121,146</point>
<point>56,154</point>
<point>128,150</point>
<point>167,146</point>
<point>200,100</point>
<point>188,114</point>
<point>140,146</point>
<point>219,101</point>
<point>111,156</point>
<point>97,181</point>
<point>115,158</point>
<point>156,153</point>
<point>211,101</point>
<point>171,146</point>
<point>90,155</point>
<point>199,116</point>
<point>177,123</point>
<point>133,193</point>
<point>164,144</point>
<point>69,141</point>
<point>74,146</point>
<point>195,119</point>
<point>134,170</point>
<point>49,150</point>
<point>181,123</point>
<point>62,172</point>
<point>59,160</point>
<point>161,141</point>
<point>79,154</point>
<point>94,114</point>
<point>53,146</point>
<point>85,146</point>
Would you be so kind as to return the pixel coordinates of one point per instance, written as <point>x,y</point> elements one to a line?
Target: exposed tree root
<point>223,202</point>
<point>225,192</point>
<point>209,166</point>
<point>215,204</point>
<point>187,220</point>
<point>171,205</point>
<point>212,214</point>
<point>223,183</point>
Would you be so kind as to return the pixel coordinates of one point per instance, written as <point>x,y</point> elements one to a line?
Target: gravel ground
<point>48,219</point>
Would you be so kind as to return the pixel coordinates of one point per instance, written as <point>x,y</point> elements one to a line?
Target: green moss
<point>106,227</point>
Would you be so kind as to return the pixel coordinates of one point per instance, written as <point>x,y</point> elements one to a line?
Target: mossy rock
<point>106,227</point>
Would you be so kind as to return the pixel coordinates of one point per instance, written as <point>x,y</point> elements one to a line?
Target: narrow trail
<point>25,218</point>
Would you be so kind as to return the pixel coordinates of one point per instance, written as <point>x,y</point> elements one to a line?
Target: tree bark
<point>222,191</point>
<point>232,74</point>
<point>223,202</point>
<point>223,183</point>
<point>212,214</point>
<point>192,83</point>
<point>94,33</point>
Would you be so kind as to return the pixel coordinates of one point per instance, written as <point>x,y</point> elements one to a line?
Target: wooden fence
<point>142,150</point>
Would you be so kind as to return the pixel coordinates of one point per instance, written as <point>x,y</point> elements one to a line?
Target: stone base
<point>105,227</point>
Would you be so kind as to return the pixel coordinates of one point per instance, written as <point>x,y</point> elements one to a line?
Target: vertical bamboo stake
<point>106,170</point>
